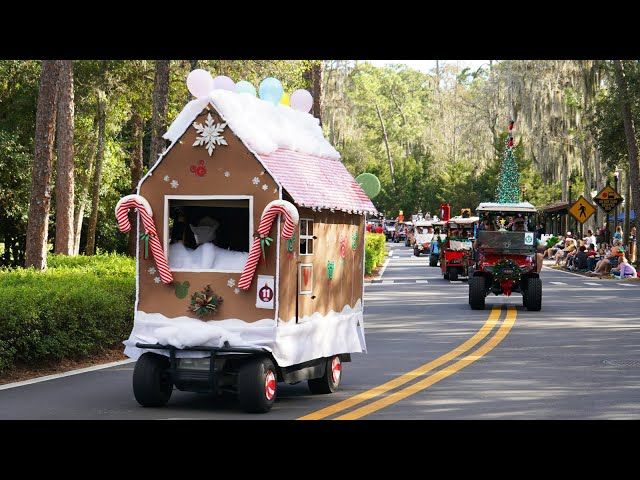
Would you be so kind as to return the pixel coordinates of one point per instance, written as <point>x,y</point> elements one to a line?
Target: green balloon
<point>369,183</point>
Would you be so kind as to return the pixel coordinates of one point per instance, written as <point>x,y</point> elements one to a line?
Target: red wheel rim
<point>270,385</point>
<point>336,369</point>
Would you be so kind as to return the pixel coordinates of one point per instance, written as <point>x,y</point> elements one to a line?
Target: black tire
<point>416,252</point>
<point>330,381</point>
<point>523,287</point>
<point>534,294</point>
<point>257,385</point>
<point>433,261</point>
<point>453,274</point>
<point>445,275</point>
<point>477,293</point>
<point>406,243</point>
<point>152,384</point>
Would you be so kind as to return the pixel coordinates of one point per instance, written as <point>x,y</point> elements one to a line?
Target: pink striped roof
<point>317,182</point>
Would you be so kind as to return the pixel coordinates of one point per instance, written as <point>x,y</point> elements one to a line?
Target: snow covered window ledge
<point>211,258</point>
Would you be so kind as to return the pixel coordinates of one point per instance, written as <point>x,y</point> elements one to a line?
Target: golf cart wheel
<point>433,261</point>
<point>152,384</point>
<point>445,275</point>
<point>477,293</point>
<point>416,252</point>
<point>534,294</point>
<point>453,274</point>
<point>257,385</point>
<point>330,381</point>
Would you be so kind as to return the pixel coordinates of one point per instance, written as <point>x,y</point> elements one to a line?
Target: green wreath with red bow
<point>506,269</point>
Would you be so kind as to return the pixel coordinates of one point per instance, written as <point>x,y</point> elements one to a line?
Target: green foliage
<point>551,241</point>
<point>374,251</point>
<point>79,306</point>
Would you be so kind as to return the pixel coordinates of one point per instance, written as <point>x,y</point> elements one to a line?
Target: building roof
<point>291,146</point>
<point>317,182</point>
<point>555,206</point>
<point>464,220</point>
<point>524,207</point>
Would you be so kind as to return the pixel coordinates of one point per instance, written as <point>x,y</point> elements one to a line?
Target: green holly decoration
<point>205,302</point>
<point>331,265</point>
<point>290,243</point>
<point>182,289</point>
<point>354,240</point>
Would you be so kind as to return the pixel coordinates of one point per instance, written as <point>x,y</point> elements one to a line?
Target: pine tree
<point>509,186</point>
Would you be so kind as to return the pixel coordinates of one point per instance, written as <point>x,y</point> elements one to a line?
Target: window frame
<point>305,237</point>
<point>202,197</point>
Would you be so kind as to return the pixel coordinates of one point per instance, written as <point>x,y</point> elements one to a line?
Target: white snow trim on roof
<point>315,336</point>
<point>318,336</point>
<point>506,206</point>
<point>261,125</point>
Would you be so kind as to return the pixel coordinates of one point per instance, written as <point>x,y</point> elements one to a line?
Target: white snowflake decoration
<point>231,283</point>
<point>157,280</point>
<point>227,174</point>
<point>265,187</point>
<point>174,184</point>
<point>210,134</point>
<point>151,270</point>
<point>166,178</point>
<point>255,180</point>
<point>236,290</point>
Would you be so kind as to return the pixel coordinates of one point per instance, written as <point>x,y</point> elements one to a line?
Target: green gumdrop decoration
<point>369,184</point>
<point>182,289</point>
<point>354,240</point>
<point>290,243</point>
<point>330,269</point>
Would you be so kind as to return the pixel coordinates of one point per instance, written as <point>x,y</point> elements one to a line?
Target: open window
<point>207,233</point>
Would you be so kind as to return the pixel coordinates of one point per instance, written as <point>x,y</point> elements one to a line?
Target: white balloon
<point>199,83</point>
<point>224,83</point>
<point>301,100</point>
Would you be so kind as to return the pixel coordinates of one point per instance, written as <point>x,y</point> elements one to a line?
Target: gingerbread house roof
<point>289,143</point>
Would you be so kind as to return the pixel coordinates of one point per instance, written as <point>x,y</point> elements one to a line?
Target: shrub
<point>77,307</point>
<point>374,250</point>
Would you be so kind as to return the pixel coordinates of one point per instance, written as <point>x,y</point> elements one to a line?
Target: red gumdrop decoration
<point>200,170</point>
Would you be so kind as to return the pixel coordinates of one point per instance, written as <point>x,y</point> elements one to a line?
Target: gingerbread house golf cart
<point>456,258</point>
<point>505,255</point>
<point>250,259</point>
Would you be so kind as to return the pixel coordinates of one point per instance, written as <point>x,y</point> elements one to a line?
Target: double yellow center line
<point>426,382</point>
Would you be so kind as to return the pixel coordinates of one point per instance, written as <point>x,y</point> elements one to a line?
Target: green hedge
<point>77,307</point>
<point>374,251</point>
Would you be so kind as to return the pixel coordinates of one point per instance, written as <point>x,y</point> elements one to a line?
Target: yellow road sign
<point>608,199</point>
<point>582,209</point>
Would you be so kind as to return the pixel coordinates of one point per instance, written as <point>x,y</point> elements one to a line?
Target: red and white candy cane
<point>144,209</point>
<point>270,212</point>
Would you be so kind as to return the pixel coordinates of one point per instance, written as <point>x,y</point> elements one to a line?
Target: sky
<point>427,65</point>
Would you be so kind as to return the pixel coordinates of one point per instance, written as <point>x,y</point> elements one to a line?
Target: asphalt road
<point>578,358</point>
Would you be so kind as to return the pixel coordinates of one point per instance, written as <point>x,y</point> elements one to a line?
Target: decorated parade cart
<point>456,256</point>
<point>251,253</point>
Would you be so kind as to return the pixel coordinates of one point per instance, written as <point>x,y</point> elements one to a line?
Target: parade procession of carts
<point>496,251</point>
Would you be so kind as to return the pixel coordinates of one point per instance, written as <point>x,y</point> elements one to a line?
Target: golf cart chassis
<point>490,284</point>
<point>208,381</point>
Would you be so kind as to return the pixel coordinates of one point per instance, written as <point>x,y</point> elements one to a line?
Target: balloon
<point>199,83</point>
<point>245,87</point>
<point>224,83</point>
<point>284,100</point>
<point>271,90</point>
<point>369,183</point>
<point>301,100</point>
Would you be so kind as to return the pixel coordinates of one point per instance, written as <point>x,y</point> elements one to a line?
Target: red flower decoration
<point>200,170</point>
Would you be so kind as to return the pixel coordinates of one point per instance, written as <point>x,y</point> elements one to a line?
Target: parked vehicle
<point>505,255</point>
<point>456,257</point>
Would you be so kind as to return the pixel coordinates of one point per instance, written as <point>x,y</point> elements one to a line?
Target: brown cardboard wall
<point>230,170</point>
<point>346,285</point>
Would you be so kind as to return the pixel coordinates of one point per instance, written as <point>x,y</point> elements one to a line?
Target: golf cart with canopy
<point>438,238</point>
<point>505,255</point>
<point>456,258</point>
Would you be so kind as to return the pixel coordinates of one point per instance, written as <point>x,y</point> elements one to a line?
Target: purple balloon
<point>301,100</point>
<point>224,83</point>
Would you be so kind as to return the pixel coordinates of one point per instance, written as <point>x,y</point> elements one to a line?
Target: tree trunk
<point>65,165</point>
<point>316,82</point>
<point>565,177</point>
<point>38,222</point>
<point>630,134</point>
<point>386,144</point>
<point>83,186</point>
<point>97,177</point>
<point>136,174</point>
<point>159,114</point>
<point>627,201</point>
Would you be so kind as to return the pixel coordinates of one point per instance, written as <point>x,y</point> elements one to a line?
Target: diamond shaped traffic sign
<point>608,199</point>
<point>582,209</point>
